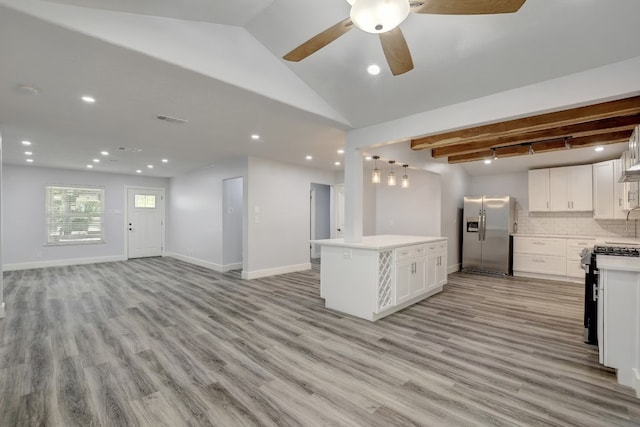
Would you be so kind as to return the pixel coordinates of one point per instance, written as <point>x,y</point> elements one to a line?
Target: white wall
<point>409,211</point>
<point>455,184</point>
<point>509,184</point>
<point>278,216</point>
<point>24,230</point>
<point>194,229</point>
<point>233,222</point>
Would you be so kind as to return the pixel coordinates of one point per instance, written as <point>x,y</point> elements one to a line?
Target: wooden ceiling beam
<point>544,146</point>
<point>605,110</point>
<point>595,127</point>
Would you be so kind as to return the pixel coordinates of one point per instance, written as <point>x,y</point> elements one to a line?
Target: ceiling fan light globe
<point>379,16</point>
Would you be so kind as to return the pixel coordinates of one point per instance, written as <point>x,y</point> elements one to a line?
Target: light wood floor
<point>159,342</point>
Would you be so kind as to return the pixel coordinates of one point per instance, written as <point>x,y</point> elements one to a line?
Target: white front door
<point>145,222</point>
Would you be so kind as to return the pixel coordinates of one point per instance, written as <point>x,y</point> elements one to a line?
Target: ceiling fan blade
<point>466,7</point>
<point>319,41</point>
<point>396,51</point>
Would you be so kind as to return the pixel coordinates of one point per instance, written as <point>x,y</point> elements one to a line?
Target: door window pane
<point>145,201</point>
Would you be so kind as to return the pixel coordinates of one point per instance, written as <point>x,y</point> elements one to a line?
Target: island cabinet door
<point>404,273</point>
<point>418,279</point>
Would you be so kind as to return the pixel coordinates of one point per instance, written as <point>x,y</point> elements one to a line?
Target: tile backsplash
<point>572,223</point>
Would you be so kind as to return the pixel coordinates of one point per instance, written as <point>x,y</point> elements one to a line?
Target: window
<point>74,215</point>
<point>145,201</point>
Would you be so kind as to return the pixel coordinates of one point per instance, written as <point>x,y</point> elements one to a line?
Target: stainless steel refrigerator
<point>488,222</point>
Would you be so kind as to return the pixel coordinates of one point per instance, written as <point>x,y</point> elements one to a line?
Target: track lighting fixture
<point>495,155</point>
<point>531,151</point>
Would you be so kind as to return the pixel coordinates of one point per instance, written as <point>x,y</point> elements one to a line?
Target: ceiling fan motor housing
<point>379,16</point>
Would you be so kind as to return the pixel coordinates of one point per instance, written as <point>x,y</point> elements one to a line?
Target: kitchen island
<point>380,275</point>
<point>619,317</point>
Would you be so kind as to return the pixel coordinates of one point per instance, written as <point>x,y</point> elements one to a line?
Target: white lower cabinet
<point>436,265</point>
<point>549,257</point>
<point>411,272</point>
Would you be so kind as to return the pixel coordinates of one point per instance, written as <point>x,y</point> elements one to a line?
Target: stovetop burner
<point>616,251</point>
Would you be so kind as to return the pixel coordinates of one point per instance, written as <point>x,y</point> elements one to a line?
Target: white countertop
<point>553,236</point>
<point>380,242</point>
<point>599,240</point>
<point>624,263</point>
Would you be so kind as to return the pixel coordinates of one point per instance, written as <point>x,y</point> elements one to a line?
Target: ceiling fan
<point>383,17</point>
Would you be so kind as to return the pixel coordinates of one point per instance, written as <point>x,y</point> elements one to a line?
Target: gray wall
<point>323,210</point>
<point>233,214</point>
<point>24,228</point>
<point>194,231</point>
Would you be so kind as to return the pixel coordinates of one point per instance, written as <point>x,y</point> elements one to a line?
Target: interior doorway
<point>338,203</point>
<point>232,221</point>
<point>320,208</point>
<point>145,222</point>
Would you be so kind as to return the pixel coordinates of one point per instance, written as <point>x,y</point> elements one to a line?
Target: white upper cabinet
<point>561,189</point>
<point>604,202</point>
<point>539,190</point>
<point>579,188</point>
<point>609,196</point>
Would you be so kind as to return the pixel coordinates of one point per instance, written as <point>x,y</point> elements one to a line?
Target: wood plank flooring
<point>158,342</point>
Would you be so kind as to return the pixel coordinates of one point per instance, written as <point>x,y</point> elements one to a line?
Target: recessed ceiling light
<point>28,153</point>
<point>255,137</point>
<point>341,151</point>
<point>165,160</point>
<point>337,163</point>
<point>138,171</point>
<point>599,148</point>
<point>27,89</point>
<point>88,99</point>
<point>368,158</point>
<point>96,160</point>
<point>309,157</point>
<point>104,153</point>
<point>29,160</point>
<point>487,162</point>
<point>373,69</point>
<point>150,166</point>
<point>27,143</point>
<point>89,166</point>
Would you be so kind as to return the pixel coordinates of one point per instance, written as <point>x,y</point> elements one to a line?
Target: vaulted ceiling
<point>219,65</point>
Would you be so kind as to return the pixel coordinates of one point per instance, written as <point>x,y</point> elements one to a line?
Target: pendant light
<point>391,177</point>
<point>375,174</point>
<point>495,155</point>
<point>405,177</point>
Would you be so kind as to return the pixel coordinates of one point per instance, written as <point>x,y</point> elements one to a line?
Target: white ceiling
<point>218,65</point>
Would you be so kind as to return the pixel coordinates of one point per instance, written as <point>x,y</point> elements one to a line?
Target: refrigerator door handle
<point>480,225</point>
<point>484,224</point>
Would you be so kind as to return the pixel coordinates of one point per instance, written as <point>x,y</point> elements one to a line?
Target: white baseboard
<point>196,261</point>
<point>248,275</point>
<point>234,266</point>
<point>453,268</point>
<point>2,312</point>
<point>61,262</point>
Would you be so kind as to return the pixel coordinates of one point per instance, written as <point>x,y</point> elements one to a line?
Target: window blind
<point>74,215</point>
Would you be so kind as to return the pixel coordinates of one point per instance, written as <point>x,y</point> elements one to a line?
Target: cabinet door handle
<point>547,205</point>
